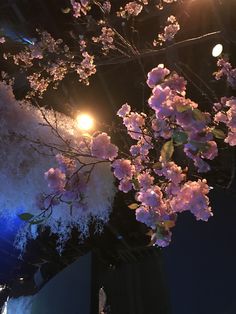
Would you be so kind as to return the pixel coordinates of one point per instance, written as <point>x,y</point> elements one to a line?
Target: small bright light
<point>217,50</point>
<point>2,287</point>
<point>85,122</point>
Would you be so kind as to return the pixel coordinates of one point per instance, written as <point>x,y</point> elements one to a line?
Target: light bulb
<point>84,122</point>
<point>217,50</point>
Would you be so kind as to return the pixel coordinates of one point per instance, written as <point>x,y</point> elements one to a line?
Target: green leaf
<point>182,108</point>
<point>133,206</point>
<point>218,133</point>
<point>180,137</point>
<point>167,150</point>
<point>26,216</point>
<point>198,115</point>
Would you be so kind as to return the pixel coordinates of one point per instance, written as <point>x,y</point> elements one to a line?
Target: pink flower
<point>172,172</point>
<point>131,9</point>
<point>125,185</point>
<point>101,147</point>
<point>134,150</point>
<point>231,116</point>
<point>159,96</point>
<point>156,75</point>
<point>162,239</point>
<point>151,197</point>
<point>176,83</point>
<point>231,138</point>
<point>145,180</point>
<point>147,216</point>
<point>122,168</point>
<point>134,123</point>
<point>124,110</point>
<point>211,152</point>
<point>192,197</point>
<point>56,179</point>
<point>220,117</point>
<point>66,165</point>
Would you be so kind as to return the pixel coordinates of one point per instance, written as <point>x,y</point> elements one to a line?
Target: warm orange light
<point>84,122</point>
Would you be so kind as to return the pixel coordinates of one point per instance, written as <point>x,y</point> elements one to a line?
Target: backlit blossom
<point>101,147</point>
<point>169,31</point>
<point>124,110</point>
<point>130,9</point>
<point>211,152</point>
<point>172,172</point>
<point>156,75</point>
<point>157,101</point>
<point>86,68</point>
<point>148,216</point>
<point>106,39</point>
<point>150,197</point>
<point>145,180</point>
<point>55,178</point>
<point>226,69</point>
<point>192,197</point>
<point>122,168</point>
<point>125,185</point>
<point>80,7</point>
<point>134,123</point>
<point>65,164</point>
<point>231,138</point>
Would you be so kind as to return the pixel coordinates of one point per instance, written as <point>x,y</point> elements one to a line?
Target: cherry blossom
<point>101,147</point>
<point>56,179</point>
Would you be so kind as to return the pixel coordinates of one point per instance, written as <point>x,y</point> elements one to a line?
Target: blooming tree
<point>171,142</point>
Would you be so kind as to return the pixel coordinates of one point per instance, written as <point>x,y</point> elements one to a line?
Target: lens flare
<point>85,122</point>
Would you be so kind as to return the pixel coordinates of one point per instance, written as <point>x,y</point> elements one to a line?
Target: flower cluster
<point>81,7</point>
<point>101,147</point>
<point>36,54</point>
<point>226,114</point>
<point>226,70</point>
<point>161,187</point>
<point>38,83</point>
<point>68,181</point>
<point>86,68</point>
<point>169,31</point>
<point>179,118</point>
<point>106,39</point>
<point>132,8</point>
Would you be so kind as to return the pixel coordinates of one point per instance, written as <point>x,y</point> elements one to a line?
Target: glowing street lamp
<point>217,50</point>
<point>84,122</point>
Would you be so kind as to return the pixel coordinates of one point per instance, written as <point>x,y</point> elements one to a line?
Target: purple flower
<point>101,147</point>
<point>122,168</point>
<point>156,75</point>
<point>56,179</point>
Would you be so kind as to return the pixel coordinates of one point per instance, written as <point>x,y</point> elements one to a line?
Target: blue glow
<point>9,227</point>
